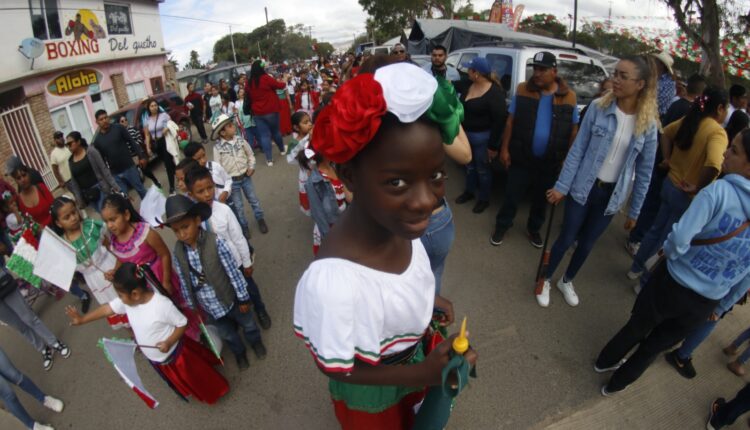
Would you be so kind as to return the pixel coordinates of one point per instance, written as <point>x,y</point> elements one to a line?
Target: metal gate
<point>26,143</point>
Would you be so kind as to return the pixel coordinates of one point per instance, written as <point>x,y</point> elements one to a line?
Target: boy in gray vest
<point>210,278</point>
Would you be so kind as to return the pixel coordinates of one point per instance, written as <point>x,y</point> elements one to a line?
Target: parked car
<point>512,64</point>
<point>171,102</point>
<point>229,73</point>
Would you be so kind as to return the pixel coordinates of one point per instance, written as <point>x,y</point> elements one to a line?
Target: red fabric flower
<point>351,120</point>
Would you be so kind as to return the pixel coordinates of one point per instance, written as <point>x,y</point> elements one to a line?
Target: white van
<point>512,64</point>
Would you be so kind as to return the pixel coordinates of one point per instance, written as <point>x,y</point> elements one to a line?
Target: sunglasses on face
<point>398,52</point>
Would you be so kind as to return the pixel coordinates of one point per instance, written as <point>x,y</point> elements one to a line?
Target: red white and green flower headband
<point>353,117</point>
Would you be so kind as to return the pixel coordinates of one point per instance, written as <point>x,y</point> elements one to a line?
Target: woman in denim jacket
<point>617,139</point>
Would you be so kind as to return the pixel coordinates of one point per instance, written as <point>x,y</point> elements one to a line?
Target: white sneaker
<point>52,403</point>
<point>284,151</point>
<point>633,275</point>
<point>566,288</point>
<point>40,426</point>
<point>269,163</point>
<point>637,288</point>
<point>543,297</point>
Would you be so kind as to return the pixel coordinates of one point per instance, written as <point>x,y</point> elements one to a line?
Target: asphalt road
<point>534,369</point>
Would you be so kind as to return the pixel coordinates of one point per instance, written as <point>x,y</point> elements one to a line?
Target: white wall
<point>146,39</point>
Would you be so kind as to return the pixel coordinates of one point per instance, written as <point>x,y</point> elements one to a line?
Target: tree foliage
<point>194,62</point>
<point>544,25</point>
<point>389,18</point>
<point>274,40</point>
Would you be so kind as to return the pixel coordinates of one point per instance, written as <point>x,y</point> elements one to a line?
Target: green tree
<point>325,49</point>
<point>194,62</point>
<point>389,18</point>
<point>544,25</point>
<point>174,62</point>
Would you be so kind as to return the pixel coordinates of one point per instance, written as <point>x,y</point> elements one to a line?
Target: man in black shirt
<point>113,141</point>
<point>678,109</point>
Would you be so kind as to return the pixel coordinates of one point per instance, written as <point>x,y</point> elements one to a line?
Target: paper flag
<point>56,260</point>
<point>211,343</point>
<point>153,206</point>
<point>121,354</point>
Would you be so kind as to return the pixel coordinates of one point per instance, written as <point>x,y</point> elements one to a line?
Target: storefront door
<point>72,117</point>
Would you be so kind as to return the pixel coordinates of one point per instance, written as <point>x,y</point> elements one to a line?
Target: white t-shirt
<point>59,157</point>
<point>224,224</point>
<point>152,322</point>
<point>344,310</point>
<point>618,149</point>
<point>305,101</point>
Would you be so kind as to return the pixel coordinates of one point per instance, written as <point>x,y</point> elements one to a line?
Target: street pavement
<point>535,366</point>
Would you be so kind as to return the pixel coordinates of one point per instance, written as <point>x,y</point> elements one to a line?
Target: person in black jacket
<point>484,119</point>
<point>542,124</point>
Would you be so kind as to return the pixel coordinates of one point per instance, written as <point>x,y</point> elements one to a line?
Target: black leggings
<point>166,158</point>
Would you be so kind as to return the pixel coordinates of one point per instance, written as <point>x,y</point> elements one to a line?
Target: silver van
<point>512,64</point>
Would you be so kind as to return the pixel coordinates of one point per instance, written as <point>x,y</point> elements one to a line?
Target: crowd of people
<point>370,136</point>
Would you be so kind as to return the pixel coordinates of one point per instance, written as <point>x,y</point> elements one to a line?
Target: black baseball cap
<point>544,59</point>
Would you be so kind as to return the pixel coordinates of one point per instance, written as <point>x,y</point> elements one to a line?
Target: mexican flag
<point>21,262</point>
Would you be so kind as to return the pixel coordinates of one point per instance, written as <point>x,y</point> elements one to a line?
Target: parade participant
<point>89,172</point>
<point>285,115</point>
<point>261,88</point>
<point>616,141</point>
<point>155,129</point>
<point>437,66</point>
<point>112,141</point>
<point>371,279</point>
<point>35,201</point>
<point>306,100</point>
<point>207,94</point>
<point>226,89</point>
<point>546,114</point>
<point>705,256</point>
<point>224,224</point>
<point>485,115</point>
<point>737,101</point>
<point>159,329</point>
<point>665,87</point>
<point>137,139</point>
<point>10,375</point>
<point>399,52</point>
<point>234,154</point>
<point>93,259</point>
<point>194,102</point>
<point>302,125</point>
<point>222,180</point>
<point>215,103</point>
<point>209,278</point>
<point>723,413</point>
<point>738,122</point>
<point>186,165</point>
<point>245,120</point>
<point>696,84</point>
<point>692,148</point>
<point>58,161</point>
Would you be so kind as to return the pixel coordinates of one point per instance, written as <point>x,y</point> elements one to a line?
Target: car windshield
<point>583,78</point>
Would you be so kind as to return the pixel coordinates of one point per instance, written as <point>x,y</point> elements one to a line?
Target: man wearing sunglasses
<point>58,160</point>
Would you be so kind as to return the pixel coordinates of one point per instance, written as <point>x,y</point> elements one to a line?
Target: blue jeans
<point>478,174</point>
<point>674,202</point>
<point>695,338</point>
<point>268,128</point>
<point>227,326</point>
<point>245,186</point>
<point>130,180</point>
<point>650,207</point>
<point>254,292</point>
<point>437,240</point>
<point>252,136</point>
<point>745,335</point>
<point>15,312</point>
<point>584,223</point>
<point>10,375</point>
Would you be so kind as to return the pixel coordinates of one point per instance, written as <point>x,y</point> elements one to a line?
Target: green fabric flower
<point>446,110</point>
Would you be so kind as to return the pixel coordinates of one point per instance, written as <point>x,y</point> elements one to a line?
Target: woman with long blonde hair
<point>617,139</point>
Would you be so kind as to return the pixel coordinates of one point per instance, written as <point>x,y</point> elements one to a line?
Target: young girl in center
<point>93,259</point>
<point>133,241</point>
<point>364,305</point>
<point>159,327</point>
<point>322,195</point>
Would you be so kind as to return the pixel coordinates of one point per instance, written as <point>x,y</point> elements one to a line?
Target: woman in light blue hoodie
<point>617,139</point>
<point>684,290</point>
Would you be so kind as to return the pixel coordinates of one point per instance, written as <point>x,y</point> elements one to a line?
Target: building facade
<point>65,59</point>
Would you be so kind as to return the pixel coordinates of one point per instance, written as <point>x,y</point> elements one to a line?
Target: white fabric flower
<point>408,90</point>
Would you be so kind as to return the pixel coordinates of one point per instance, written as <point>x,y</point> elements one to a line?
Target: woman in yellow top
<point>693,149</point>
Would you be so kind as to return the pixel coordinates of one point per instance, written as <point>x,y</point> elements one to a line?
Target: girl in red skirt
<point>159,328</point>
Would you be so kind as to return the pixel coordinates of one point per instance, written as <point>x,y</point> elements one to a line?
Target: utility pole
<point>231,39</point>
<point>309,31</point>
<point>266,10</point>
<point>575,21</point>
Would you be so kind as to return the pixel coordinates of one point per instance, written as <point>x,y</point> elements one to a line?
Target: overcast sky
<point>337,21</point>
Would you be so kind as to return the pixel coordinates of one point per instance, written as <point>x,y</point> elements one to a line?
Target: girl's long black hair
<point>256,71</point>
<point>54,211</point>
<point>122,205</point>
<point>78,138</point>
<point>131,276</point>
<point>703,106</point>
<point>737,122</point>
